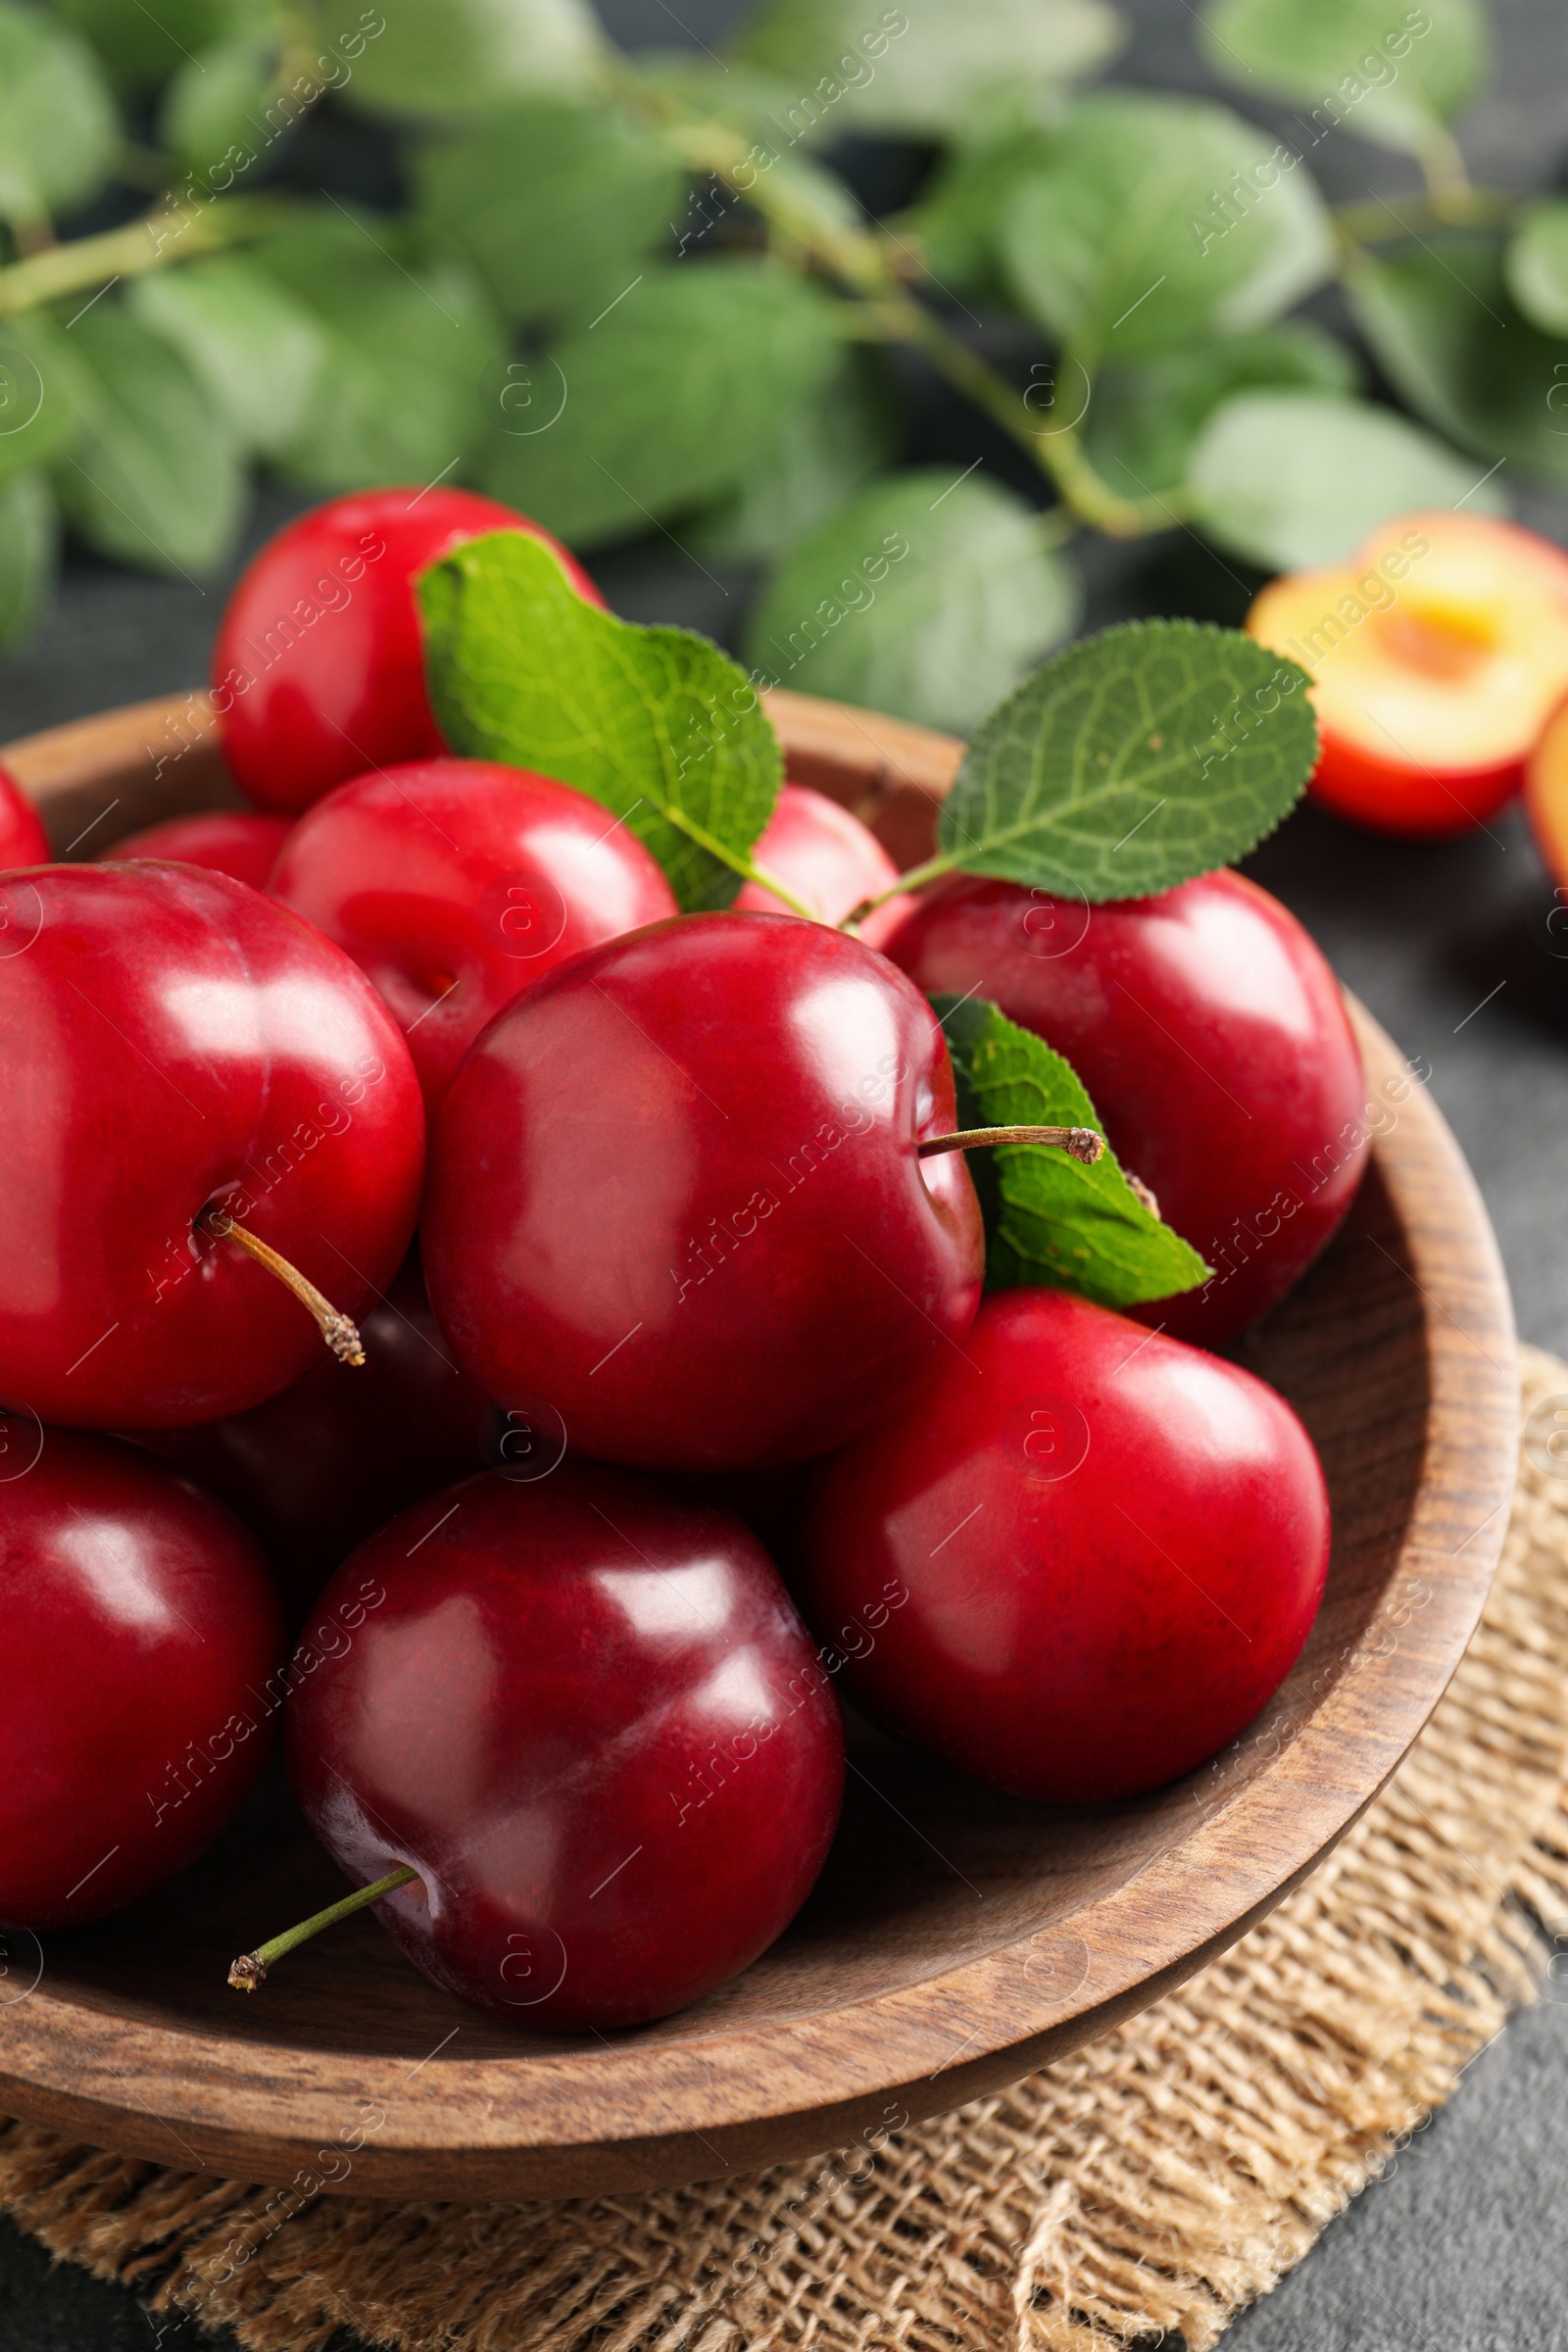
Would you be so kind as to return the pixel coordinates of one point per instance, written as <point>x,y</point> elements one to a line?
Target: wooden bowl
<point>957,1939</point>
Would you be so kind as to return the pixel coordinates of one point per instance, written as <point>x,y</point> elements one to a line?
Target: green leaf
<point>1131,241</point>
<point>143,46</point>
<point>1142,421</point>
<point>1049,1218</point>
<point>463,57</point>
<point>657,723</point>
<point>1363,63</point>
<point>1536,265</point>
<point>30,534</point>
<point>928,596</point>
<point>959,220</point>
<point>828,448</point>
<point>58,128</point>
<point>924,68</point>
<point>258,351</point>
<point>553,203</point>
<point>155,478</point>
<point>219,98</point>
<point>408,344</point>
<point>1288,479</point>
<point>43,390</point>
<point>1156,751</point>
<point>661,404</point>
<point>1450,336</point>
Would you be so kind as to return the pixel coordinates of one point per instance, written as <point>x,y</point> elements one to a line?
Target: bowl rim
<point>686,2109</point>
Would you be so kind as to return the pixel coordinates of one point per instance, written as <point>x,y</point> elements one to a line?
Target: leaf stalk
<point>744,867</point>
<point>865,264</point>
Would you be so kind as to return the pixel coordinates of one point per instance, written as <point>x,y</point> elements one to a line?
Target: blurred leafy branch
<point>625,292</point>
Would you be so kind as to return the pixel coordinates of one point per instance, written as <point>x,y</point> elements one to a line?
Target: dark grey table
<point>1461,2249</point>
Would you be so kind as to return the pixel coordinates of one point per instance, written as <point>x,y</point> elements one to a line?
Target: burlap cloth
<point>1156,2180</point>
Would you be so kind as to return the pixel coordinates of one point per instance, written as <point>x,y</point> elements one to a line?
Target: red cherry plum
<point>23,838</point>
<point>241,842</point>
<point>587,1714</point>
<point>318,670</point>
<point>142,1635</point>
<point>320,1466</point>
<point>455,883</point>
<point>1211,1036</point>
<point>828,860</point>
<point>1092,1553</point>
<point>674,1196</point>
<point>173,1041</point>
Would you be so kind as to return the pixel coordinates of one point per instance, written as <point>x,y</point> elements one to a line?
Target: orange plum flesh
<point>1437,657</point>
<point>1547,794</point>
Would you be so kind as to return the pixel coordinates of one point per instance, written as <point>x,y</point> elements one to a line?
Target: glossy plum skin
<point>320,1466</point>
<point>172,1040</point>
<point>241,842</point>
<point>823,854</point>
<point>674,1203</point>
<point>589,1717</point>
<point>1214,1040</point>
<point>23,838</point>
<point>455,883</point>
<point>138,1690</point>
<point>318,670</point>
<point>1078,1562</point>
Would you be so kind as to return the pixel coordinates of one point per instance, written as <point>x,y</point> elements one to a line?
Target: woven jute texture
<point>1156,2180</point>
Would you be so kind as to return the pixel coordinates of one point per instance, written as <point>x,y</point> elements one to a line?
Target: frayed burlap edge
<point>1156,2180</point>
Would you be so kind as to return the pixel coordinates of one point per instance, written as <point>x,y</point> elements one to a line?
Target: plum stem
<point>250,1969</point>
<point>52,272</point>
<point>1081,1142</point>
<point>339,1332</point>
<point>873,266</point>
